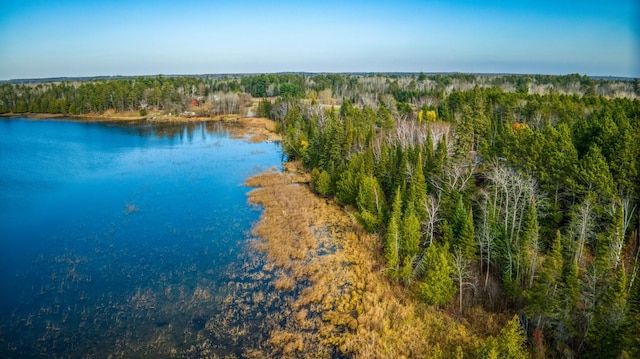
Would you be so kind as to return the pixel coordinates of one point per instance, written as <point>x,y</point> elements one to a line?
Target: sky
<point>52,38</point>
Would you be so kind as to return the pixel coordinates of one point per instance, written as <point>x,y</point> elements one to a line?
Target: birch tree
<point>461,267</point>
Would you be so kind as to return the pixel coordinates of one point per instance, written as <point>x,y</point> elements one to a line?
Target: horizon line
<point>101,77</point>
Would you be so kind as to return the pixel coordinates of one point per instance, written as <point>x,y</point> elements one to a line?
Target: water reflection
<point>176,131</point>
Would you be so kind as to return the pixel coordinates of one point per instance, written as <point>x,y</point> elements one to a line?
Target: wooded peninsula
<point>498,213</point>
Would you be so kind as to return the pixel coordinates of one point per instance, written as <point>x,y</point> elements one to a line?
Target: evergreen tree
<point>440,158</point>
<point>465,134</point>
<point>606,337</point>
<point>490,349</point>
<point>391,248</point>
<point>371,204</point>
<point>569,302</point>
<point>529,243</point>
<point>438,287</point>
<point>624,160</point>
<point>322,183</point>
<point>459,219</point>
<point>447,233</point>
<point>384,118</point>
<point>512,341</point>
<point>631,327</point>
<point>594,174</point>
<point>466,241</point>
<point>393,238</point>
<point>411,235</point>
<point>418,189</point>
<point>347,186</point>
<point>543,298</point>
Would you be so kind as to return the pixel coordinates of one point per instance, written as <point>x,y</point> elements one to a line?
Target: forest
<point>516,193</point>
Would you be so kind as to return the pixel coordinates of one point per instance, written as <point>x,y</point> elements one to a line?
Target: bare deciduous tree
<point>326,97</point>
<point>462,274</point>
<point>581,228</point>
<point>279,110</point>
<point>484,237</point>
<point>431,206</point>
<point>509,194</point>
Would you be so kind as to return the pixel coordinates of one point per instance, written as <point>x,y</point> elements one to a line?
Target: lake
<point>122,240</point>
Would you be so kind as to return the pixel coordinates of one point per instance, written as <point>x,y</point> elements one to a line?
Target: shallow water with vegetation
<point>121,240</point>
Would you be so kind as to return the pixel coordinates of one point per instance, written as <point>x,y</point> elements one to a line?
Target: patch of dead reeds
<point>342,298</point>
<point>254,129</point>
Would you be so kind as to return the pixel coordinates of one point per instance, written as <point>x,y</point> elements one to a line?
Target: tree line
<point>402,95</point>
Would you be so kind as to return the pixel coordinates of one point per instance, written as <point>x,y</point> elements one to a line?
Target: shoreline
<point>254,129</point>
<point>115,117</point>
<point>332,273</point>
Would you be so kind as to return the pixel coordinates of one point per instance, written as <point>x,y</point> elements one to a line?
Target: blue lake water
<point>116,238</point>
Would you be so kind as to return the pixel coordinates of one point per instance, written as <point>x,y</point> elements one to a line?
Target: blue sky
<point>88,38</point>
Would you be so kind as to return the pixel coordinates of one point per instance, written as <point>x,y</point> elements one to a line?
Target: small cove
<point>120,239</point>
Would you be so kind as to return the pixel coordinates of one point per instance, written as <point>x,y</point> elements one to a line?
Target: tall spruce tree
<point>371,204</point>
<point>438,287</point>
<point>411,235</point>
<point>418,189</point>
<point>393,238</point>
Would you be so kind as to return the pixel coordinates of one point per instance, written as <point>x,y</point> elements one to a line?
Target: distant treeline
<point>177,93</point>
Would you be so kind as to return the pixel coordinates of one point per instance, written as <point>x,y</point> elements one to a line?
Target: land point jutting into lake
<point>321,215</point>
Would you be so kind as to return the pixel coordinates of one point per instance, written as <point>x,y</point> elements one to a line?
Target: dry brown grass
<point>290,342</point>
<point>284,282</point>
<point>342,297</point>
<point>255,129</point>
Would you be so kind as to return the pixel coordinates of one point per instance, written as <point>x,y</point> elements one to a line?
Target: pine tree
<point>393,238</point>
<point>631,326</point>
<point>557,172</point>
<point>512,341</point>
<point>606,336</point>
<point>529,243</point>
<point>437,288</point>
<point>385,120</point>
<point>371,204</point>
<point>459,219</point>
<point>384,169</point>
<point>347,187</point>
<point>543,298</point>
<point>322,183</point>
<point>490,349</point>
<point>447,233</point>
<point>428,153</point>
<point>410,247</point>
<point>594,174</point>
<point>623,162</point>
<point>464,131</point>
<point>569,301</point>
<point>466,241</point>
<point>441,156</point>
<point>418,189</point>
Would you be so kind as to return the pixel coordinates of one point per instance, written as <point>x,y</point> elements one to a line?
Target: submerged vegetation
<point>425,215</point>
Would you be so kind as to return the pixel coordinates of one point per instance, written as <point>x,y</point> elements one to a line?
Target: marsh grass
<point>254,129</point>
<point>339,299</point>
